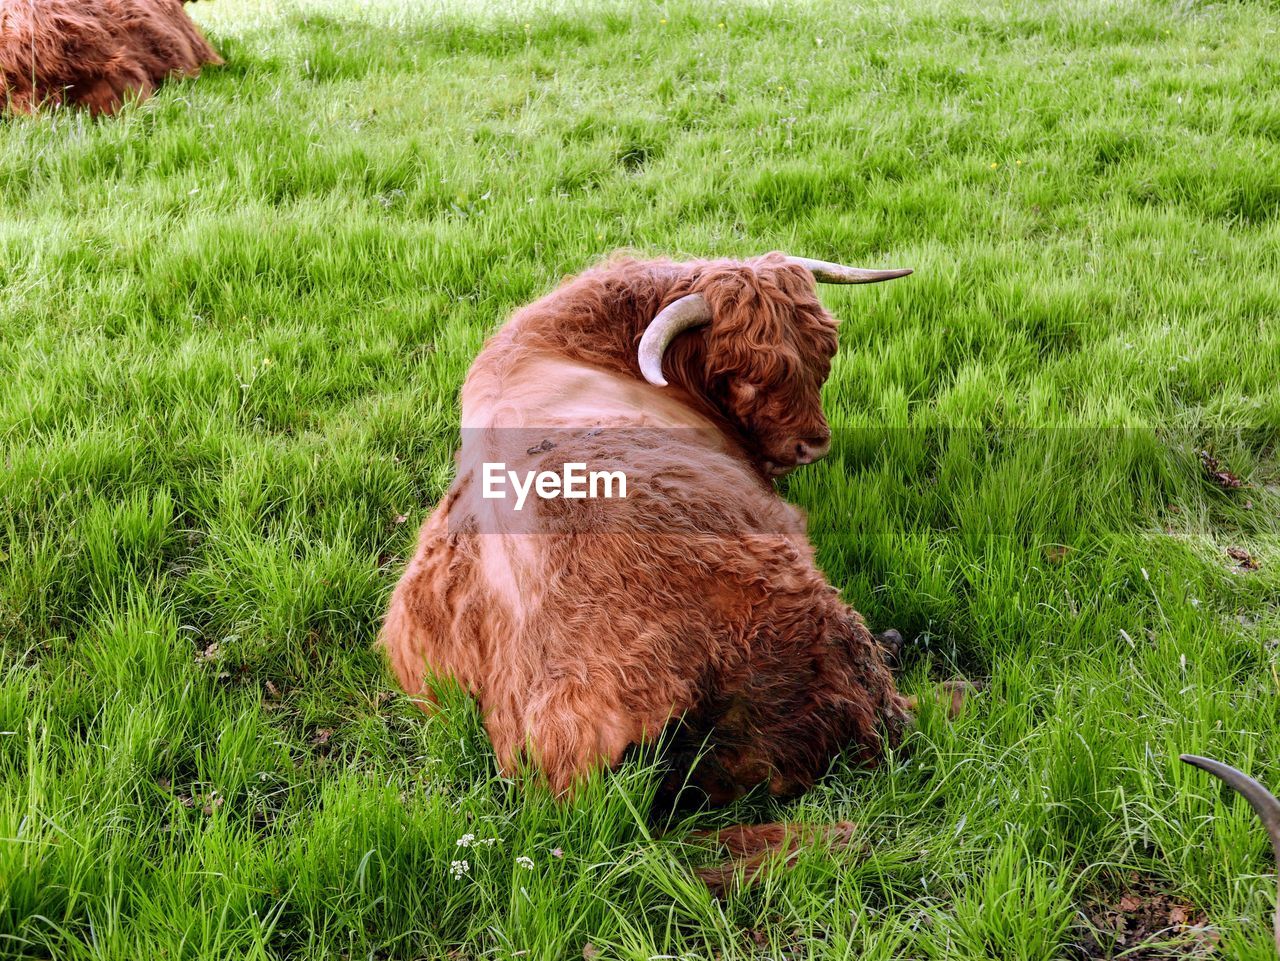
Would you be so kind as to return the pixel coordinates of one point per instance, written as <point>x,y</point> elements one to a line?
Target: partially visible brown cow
<point>94,53</point>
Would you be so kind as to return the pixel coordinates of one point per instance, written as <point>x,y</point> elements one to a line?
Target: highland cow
<point>692,610</point>
<point>94,54</point>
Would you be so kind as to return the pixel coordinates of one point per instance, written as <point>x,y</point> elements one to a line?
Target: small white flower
<point>489,842</point>
<point>459,868</point>
<point>526,863</point>
<point>465,841</point>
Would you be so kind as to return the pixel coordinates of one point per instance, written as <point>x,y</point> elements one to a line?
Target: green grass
<point>233,323</point>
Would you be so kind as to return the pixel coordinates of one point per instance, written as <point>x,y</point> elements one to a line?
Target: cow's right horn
<point>674,319</point>
<point>825,272</point>
<point>1262,801</point>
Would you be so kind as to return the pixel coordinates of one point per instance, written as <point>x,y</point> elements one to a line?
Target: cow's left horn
<point>678,316</point>
<point>825,272</point>
<point>1262,801</point>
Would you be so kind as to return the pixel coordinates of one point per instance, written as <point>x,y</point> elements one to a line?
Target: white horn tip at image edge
<point>678,316</point>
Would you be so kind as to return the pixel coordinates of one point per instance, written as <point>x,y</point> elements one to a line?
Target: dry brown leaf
<point>1217,473</point>
<point>1056,553</point>
<point>1246,560</point>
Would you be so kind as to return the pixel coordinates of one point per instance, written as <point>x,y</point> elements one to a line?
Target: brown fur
<point>693,607</point>
<point>94,53</point>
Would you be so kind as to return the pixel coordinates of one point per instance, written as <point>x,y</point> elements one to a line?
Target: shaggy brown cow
<point>695,601</point>
<point>94,53</point>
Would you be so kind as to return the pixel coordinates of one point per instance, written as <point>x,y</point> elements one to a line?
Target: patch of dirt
<point>1140,922</point>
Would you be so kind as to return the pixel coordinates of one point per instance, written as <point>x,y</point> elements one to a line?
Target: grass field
<point>233,323</point>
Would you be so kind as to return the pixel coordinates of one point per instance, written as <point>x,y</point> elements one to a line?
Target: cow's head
<point>765,348</point>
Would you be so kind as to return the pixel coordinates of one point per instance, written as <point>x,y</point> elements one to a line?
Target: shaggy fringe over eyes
<point>772,335</point>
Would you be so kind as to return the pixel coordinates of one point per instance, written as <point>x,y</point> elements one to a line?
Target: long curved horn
<point>1262,801</point>
<point>825,272</point>
<point>678,316</point>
